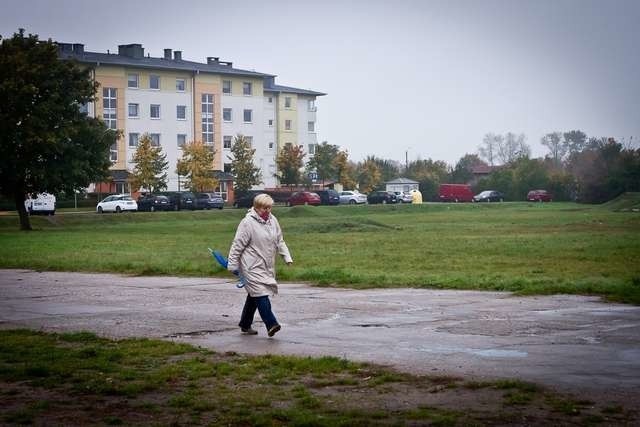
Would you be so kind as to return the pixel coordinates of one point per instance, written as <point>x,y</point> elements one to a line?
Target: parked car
<point>455,193</point>
<point>404,197</point>
<point>117,203</point>
<point>539,196</point>
<point>181,199</point>
<point>44,203</point>
<point>304,198</point>
<point>489,196</point>
<point>209,201</point>
<point>328,197</point>
<point>155,202</point>
<point>352,197</point>
<point>383,197</point>
<point>246,200</point>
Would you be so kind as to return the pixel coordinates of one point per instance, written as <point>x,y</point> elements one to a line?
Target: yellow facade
<point>210,84</point>
<point>236,85</point>
<point>286,136</point>
<point>113,77</point>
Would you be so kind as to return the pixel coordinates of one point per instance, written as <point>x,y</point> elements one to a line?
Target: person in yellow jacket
<point>253,256</point>
<point>416,196</point>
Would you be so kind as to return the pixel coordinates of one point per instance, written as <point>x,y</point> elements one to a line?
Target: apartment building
<point>177,101</point>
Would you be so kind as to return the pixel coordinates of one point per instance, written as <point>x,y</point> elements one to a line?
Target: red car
<point>538,196</point>
<point>304,198</point>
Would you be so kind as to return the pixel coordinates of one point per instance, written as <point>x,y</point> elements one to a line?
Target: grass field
<point>529,248</point>
<point>81,379</point>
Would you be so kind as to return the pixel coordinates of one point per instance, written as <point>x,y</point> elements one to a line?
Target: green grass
<point>529,248</point>
<point>82,379</point>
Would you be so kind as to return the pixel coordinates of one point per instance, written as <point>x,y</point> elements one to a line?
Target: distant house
<point>402,184</point>
<point>481,171</point>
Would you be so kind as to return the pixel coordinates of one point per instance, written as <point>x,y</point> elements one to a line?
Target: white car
<point>404,197</point>
<point>117,203</point>
<point>352,198</point>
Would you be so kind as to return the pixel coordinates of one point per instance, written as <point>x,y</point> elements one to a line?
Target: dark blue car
<point>209,201</point>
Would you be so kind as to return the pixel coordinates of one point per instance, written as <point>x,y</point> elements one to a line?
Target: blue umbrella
<point>222,260</point>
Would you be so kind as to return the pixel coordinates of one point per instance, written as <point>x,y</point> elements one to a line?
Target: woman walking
<point>253,255</point>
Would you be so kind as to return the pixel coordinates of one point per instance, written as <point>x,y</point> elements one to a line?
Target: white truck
<point>42,204</point>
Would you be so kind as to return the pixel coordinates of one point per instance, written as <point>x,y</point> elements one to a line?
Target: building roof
<point>482,169</point>
<point>288,89</point>
<point>133,56</point>
<point>402,181</point>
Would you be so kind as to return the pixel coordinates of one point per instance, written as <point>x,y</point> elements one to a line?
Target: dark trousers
<point>263,305</point>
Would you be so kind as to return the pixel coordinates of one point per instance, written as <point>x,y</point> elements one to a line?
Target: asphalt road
<point>571,343</point>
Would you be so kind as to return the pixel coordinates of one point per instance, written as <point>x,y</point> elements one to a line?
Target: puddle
<point>476,352</point>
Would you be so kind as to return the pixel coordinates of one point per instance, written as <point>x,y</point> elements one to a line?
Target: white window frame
<point>155,139</point>
<point>137,110</point>
<point>225,139</point>
<point>270,146</point>
<point>134,139</point>
<point>224,90</point>
<point>110,107</point>
<point>207,102</point>
<point>244,116</point>
<point>182,136</point>
<point>113,152</point>
<point>287,124</point>
<point>129,81</point>
<point>270,123</point>
<point>151,77</point>
<point>184,85</point>
<point>311,126</point>
<point>247,88</point>
<point>287,102</point>
<point>184,112</point>
<point>151,116</point>
<point>227,110</point>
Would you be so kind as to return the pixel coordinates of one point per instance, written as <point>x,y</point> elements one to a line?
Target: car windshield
<point>485,194</point>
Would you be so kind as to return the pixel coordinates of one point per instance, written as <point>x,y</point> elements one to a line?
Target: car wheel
<point>118,210</point>
<point>100,210</point>
<point>352,202</point>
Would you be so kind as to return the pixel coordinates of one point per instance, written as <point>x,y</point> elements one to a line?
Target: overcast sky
<point>427,78</point>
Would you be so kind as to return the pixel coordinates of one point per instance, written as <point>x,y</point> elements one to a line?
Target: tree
<point>463,171</point>
<point>575,141</point>
<point>429,174</point>
<point>488,150</point>
<point>345,170</point>
<point>513,147</point>
<point>289,162</point>
<point>557,149</point>
<point>369,176</point>
<point>242,167</point>
<point>46,142</point>
<point>389,169</point>
<point>323,161</point>
<point>150,167</point>
<point>196,165</point>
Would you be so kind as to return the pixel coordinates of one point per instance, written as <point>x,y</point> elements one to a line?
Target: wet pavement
<point>571,343</point>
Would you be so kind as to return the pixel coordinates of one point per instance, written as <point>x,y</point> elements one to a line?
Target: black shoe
<point>273,330</point>
<point>249,331</point>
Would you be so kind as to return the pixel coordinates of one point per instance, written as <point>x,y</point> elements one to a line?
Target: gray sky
<point>430,78</point>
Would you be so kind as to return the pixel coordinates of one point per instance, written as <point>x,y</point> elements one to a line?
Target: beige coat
<point>253,253</point>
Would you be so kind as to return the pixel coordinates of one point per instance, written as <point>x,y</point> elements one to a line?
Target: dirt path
<point>571,343</point>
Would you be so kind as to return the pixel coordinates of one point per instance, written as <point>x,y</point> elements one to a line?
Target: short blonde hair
<point>262,201</point>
